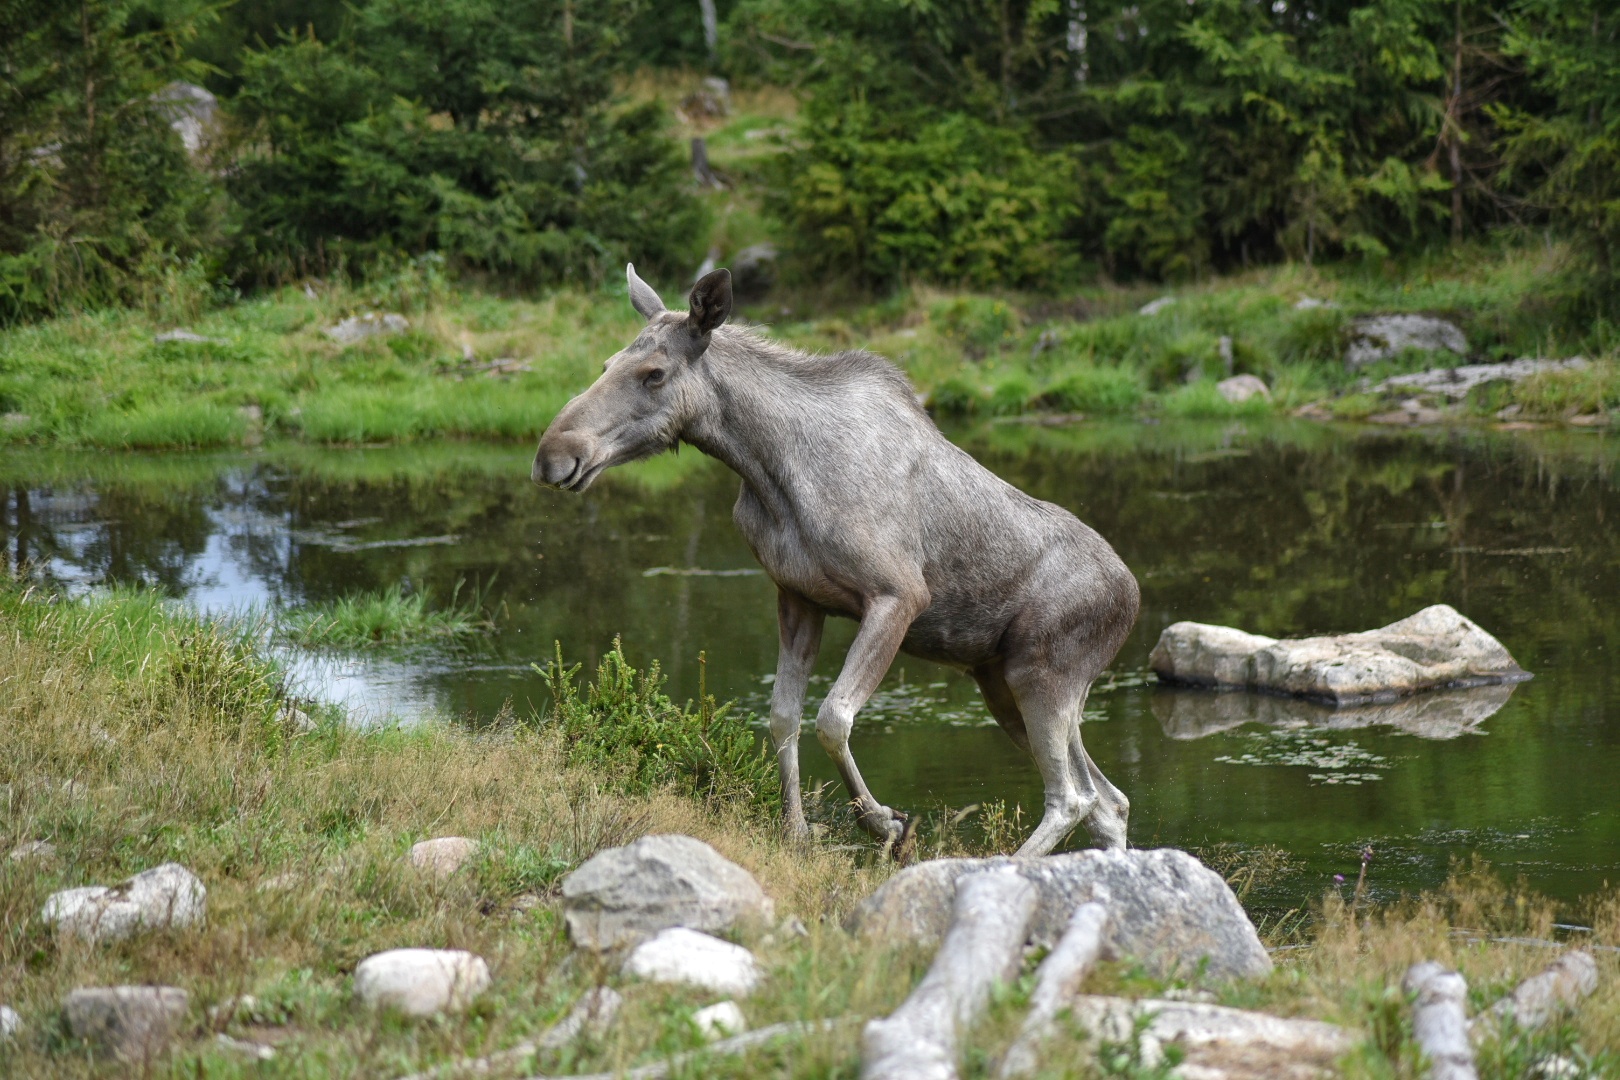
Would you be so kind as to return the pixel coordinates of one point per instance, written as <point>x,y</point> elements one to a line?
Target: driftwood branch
<point>594,1010</point>
<point>1440,1020</point>
<point>983,946</point>
<point>1056,981</point>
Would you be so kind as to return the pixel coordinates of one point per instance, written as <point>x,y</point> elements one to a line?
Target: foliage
<point>97,197</point>
<point>624,726</point>
<point>482,130</point>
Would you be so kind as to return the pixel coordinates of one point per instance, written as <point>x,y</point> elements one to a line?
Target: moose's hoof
<point>885,824</point>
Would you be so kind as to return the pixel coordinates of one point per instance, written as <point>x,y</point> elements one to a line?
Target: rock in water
<point>1434,648</point>
<point>421,982</point>
<point>133,1022</point>
<point>1240,388</point>
<point>1443,714</point>
<point>1379,337</point>
<point>678,955</point>
<point>167,896</point>
<point>444,855</point>
<point>1166,908</point>
<point>623,894</point>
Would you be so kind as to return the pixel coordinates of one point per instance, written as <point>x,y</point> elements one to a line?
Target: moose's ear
<point>711,301</point>
<point>642,296</point>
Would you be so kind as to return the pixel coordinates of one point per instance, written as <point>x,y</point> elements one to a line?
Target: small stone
<point>679,955</point>
<point>232,1008</point>
<point>33,849</point>
<point>623,894</point>
<point>720,1020</point>
<point>421,982</point>
<point>443,856</point>
<point>167,896</point>
<point>133,1022</point>
<point>10,1022</point>
<point>186,337</point>
<point>1311,303</point>
<point>1153,307</point>
<point>1240,388</point>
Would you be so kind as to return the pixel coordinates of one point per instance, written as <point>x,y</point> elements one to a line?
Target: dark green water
<point>1283,530</point>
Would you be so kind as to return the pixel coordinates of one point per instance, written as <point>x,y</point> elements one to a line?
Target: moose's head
<point>647,391</point>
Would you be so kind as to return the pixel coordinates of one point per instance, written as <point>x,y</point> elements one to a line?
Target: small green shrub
<point>976,323</point>
<point>1595,388</point>
<point>956,396</point>
<point>169,426</point>
<point>1011,395</point>
<point>1094,389</point>
<point>625,726</point>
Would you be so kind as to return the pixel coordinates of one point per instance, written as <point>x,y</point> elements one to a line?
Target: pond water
<point>1278,528</point>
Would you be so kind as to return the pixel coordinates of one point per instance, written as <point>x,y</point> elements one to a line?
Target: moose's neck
<point>755,421</point>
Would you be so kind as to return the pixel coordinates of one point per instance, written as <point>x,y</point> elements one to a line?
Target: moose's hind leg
<point>1050,705</point>
<point>1108,819</point>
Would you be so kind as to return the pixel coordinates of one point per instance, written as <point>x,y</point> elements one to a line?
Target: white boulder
<point>421,982</point>
<point>164,897</point>
<point>1240,388</point>
<point>1456,382</point>
<point>133,1022</point>
<point>679,955</point>
<point>1379,337</point>
<point>1436,647</point>
<point>10,1022</point>
<point>444,855</point>
<point>623,894</point>
<point>720,1020</point>
<point>1166,909</point>
<point>32,849</point>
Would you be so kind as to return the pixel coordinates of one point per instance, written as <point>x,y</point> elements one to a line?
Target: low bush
<point>388,617</point>
<point>624,725</point>
<point>1094,389</point>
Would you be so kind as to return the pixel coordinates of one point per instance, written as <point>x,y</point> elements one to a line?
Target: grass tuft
<point>389,617</point>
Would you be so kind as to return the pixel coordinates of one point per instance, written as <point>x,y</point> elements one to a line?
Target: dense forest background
<point>1033,144</point>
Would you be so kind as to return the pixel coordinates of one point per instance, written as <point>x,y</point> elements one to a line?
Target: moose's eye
<point>654,378</point>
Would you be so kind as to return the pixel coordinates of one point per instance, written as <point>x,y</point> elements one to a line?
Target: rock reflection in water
<point>1437,714</point>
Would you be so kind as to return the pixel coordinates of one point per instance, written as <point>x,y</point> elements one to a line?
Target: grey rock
<point>1456,382</point>
<point>190,110</point>
<point>443,856</point>
<point>1437,647</point>
<point>164,897</point>
<point>421,982</point>
<point>1559,987</point>
<point>1166,908</point>
<point>10,1023</point>
<point>1240,388</point>
<point>1218,1043</point>
<point>1153,307</point>
<point>1311,303</point>
<point>254,1050</point>
<point>1379,337</point>
<point>1443,714</point>
<point>32,849</point>
<point>679,955</point>
<point>753,271</point>
<point>134,1022</point>
<point>371,324</point>
<point>623,894</point>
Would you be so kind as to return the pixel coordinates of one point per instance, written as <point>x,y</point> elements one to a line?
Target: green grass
<point>99,380</point>
<point>389,617</point>
<point>172,732</point>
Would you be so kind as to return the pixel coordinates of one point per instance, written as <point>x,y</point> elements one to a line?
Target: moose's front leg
<point>883,628</point>
<point>799,623</point>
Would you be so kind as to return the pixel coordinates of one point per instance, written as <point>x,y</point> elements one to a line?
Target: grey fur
<point>857,506</point>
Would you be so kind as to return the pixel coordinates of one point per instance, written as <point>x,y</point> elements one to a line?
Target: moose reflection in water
<point>857,506</point>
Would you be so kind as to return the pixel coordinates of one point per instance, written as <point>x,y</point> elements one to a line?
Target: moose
<point>857,506</point>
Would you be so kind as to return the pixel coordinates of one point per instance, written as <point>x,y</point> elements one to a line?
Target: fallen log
<point>919,1041</point>
<point>1056,980</point>
<point>1440,1020</point>
<point>1558,986</point>
<point>594,1010</point>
